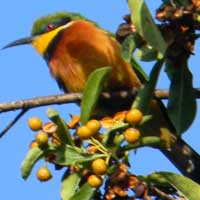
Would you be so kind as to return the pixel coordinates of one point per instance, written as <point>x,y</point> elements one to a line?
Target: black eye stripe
<point>60,22</point>
<point>46,27</point>
<point>56,23</point>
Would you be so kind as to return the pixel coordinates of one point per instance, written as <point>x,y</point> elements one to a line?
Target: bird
<point>71,59</point>
<point>74,46</point>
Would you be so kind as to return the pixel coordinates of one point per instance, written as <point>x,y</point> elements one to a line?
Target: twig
<point>161,194</point>
<point>12,123</point>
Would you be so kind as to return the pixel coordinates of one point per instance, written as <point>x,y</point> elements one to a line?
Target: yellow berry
<point>43,174</point>
<point>99,166</point>
<point>84,132</point>
<point>132,135</point>
<point>94,181</point>
<point>41,138</point>
<point>35,123</point>
<point>93,125</point>
<point>134,116</point>
<point>198,18</point>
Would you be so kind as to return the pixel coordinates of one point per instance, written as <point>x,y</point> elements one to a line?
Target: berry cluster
<point>108,167</point>
<point>119,183</point>
<point>179,23</point>
<point>172,11</point>
<point>97,152</point>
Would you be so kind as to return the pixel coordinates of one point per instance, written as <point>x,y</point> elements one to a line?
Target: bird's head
<point>45,29</point>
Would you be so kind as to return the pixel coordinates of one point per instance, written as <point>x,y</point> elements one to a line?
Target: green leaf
<point>85,192</point>
<point>177,3</point>
<point>189,188</point>
<point>68,155</point>
<point>128,46</point>
<point>69,186</point>
<point>145,94</point>
<point>93,88</point>
<point>110,133</point>
<point>32,157</point>
<point>139,71</point>
<point>62,130</point>
<point>145,25</point>
<point>182,101</point>
<point>157,179</point>
<point>184,3</point>
<point>146,53</point>
<point>147,141</point>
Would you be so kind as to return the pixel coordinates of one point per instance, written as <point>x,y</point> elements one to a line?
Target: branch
<point>164,94</point>
<point>40,101</point>
<point>26,104</point>
<point>75,98</point>
<point>13,122</point>
<point>163,195</point>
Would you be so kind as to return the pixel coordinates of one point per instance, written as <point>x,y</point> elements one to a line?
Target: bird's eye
<point>50,27</point>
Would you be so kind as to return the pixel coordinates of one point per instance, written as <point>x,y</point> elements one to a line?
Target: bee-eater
<point>74,46</point>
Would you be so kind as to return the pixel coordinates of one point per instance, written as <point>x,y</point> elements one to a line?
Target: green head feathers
<point>45,23</point>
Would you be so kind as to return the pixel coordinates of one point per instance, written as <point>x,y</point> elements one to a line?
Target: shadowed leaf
<point>182,101</point>
<point>189,188</point>
<point>145,94</point>
<point>128,47</point>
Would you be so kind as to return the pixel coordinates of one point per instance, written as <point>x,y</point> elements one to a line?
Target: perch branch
<point>74,98</point>
<point>40,101</point>
<point>26,104</point>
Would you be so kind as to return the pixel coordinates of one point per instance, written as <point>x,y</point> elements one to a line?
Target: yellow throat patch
<point>41,42</point>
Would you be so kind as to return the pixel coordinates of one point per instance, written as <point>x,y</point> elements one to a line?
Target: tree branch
<point>40,101</point>
<point>75,98</point>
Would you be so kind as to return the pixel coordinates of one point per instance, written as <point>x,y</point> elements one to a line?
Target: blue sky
<point>24,74</point>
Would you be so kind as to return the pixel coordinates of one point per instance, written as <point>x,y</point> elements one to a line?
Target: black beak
<point>22,41</point>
